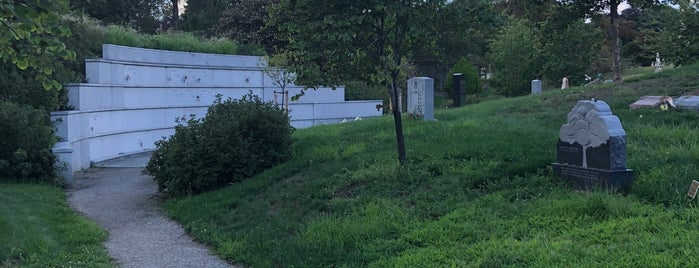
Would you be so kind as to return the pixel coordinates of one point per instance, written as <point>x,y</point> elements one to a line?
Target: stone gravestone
<point>536,86</point>
<point>591,149</point>
<point>456,89</point>
<point>688,102</point>
<point>421,97</point>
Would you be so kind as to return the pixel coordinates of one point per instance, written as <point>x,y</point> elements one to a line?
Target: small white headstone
<point>421,97</point>
<point>564,83</point>
<point>536,86</point>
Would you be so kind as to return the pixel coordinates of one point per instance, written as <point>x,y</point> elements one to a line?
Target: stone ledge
<point>591,178</point>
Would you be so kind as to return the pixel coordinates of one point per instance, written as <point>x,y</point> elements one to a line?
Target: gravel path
<point>127,204</point>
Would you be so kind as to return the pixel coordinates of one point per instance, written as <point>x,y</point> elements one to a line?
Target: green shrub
<point>236,140</point>
<point>358,90</point>
<point>470,77</point>
<point>26,140</point>
<point>20,87</point>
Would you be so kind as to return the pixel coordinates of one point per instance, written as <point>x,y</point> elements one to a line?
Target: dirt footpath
<point>126,203</point>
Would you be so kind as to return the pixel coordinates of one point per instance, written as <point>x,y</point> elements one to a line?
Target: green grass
<point>478,191</point>
<point>37,229</point>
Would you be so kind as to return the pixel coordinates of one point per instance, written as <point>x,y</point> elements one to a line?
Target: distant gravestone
<point>536,86</point>
<point>658,64</point>
<point>564,83</point>
<point>421,97</point>
<point>647,102</point>
<point>688,102</point>
<point>591,149</point>
<point>456,89</point>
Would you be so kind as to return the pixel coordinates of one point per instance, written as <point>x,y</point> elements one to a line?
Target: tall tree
<point>244,21</point>
<point>516,57</point>
<point>675,35</point>
<point>335,41</point>
<point>29,31</point>
<point>592,7</point>
<point>465,28</point>
<point>148,16</point>
<point>175,19</point>
<point>201,16</point>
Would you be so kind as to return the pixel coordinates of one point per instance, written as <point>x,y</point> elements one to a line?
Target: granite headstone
<point>536,86</point>
<point>421,97</point>
<point>688,102</point>
<point>591,151</point>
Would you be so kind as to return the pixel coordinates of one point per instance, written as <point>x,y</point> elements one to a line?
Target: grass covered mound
<point>37,229</point>
<point>478,191</point>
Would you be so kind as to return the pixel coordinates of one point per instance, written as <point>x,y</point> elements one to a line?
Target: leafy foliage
<point>335,41</point>
<point>674,35</point>
<point>569,50</point>
<point>201,17</point>
<point>516,58</point>
<point>21,87</point>
<point>26,140</point>
<point>470,76</point>
<point>236,140</point>
<point>464,30</point>
<point>244,20</point>
<point>588,8</point>
<point>148,16</point>
<point>29,38</point>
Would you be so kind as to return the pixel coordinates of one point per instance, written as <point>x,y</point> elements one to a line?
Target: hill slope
<point>478,191</point>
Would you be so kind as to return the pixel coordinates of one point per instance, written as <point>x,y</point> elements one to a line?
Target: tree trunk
<point>402,158</point>
<point>616,46</point>
<point>175,15</point>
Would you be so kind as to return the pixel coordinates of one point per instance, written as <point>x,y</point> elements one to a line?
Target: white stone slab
<point>421,97</point>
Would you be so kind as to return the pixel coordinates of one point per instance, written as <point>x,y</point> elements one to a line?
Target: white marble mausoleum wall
<point>133,96</point>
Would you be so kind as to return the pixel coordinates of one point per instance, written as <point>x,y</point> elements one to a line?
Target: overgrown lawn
<point>478,191</point>
<point>37,229</point>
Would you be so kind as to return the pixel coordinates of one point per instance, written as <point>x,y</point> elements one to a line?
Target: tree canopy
<point>29,37</point>
<point>335,41</point>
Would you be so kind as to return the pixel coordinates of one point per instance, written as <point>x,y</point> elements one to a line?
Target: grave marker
<point>536,86</point>
<point>591,149</point>
<point>421,97</point>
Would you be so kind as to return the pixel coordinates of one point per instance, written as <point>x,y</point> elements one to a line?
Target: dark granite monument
<point>591,151</point>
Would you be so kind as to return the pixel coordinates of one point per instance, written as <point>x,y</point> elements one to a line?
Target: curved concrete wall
<point>134,95</point>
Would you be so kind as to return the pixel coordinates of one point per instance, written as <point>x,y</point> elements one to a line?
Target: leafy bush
<point>358,90</point>
<point>470,77</point>
<point>236,140</point>
<point>25,144</point>
<point>21,87</point>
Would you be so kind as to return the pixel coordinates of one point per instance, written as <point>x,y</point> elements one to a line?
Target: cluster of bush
<point>25,144</point>
<point>236,140</point>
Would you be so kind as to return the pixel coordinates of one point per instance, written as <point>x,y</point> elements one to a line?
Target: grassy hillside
<point>37,229</point>
<point>478,191</point>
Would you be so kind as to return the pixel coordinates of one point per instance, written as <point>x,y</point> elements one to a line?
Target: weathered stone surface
<point>688,102</point>
<point>421,97</point>
<point>590,178</point>
<point>647,102</point>
<point>536,86</point>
